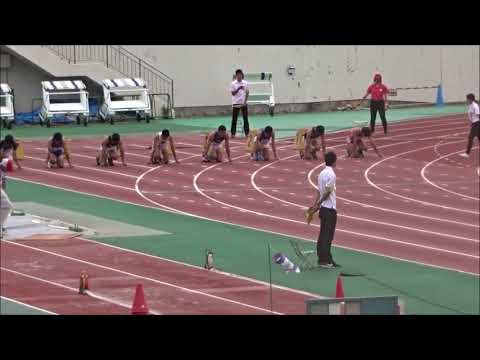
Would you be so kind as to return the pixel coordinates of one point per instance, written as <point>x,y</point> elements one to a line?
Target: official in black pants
<point>326,203</point>
<point>328,222</point>
<point>379,103</point>
<point>235,111</point>
<point>239,91</point>
<point>474,118</point>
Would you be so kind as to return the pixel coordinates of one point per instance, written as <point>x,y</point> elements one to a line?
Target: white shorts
<point>5,202</point>
<point>216,146</point>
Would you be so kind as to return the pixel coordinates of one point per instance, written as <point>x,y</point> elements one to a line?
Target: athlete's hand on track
<point>124,164</point>
<point>177,162</point>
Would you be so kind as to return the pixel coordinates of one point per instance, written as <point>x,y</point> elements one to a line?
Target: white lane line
<point>24,304</point>
<point>365,174</point>
<point>355,233</point>
<point>92,294</point>
<point>422,173</point>
<point>309,177</point>
<point>56,174</point>
<point>178,287</point>
<point>357,218</point>
<point>92,168</point>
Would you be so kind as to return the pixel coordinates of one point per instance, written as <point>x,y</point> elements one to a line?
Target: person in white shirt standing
<point>326,203</point>
<point>473,116</point>
<point>6,206</point>
<point>239,91</point>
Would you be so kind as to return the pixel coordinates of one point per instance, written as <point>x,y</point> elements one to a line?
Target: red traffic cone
<point>339,293</point>
<point>139,306</point>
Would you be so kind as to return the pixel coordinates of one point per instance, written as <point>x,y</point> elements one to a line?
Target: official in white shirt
<point>473,117</point>
<point>326,202</point>
<point>239,91</point>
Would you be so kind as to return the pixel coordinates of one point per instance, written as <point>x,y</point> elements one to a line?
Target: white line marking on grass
<point>26,305</point>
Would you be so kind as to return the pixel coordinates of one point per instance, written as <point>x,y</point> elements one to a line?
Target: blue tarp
<point>32,117</point>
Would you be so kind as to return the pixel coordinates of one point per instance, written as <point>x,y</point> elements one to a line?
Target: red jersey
<point>378,91</point>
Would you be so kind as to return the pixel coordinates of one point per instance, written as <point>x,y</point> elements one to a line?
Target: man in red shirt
<point>379,103</point>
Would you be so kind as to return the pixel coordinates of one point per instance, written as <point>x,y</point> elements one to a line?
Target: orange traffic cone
<point>139,306</point>
<point>339,293</point>
<point>83,283</point>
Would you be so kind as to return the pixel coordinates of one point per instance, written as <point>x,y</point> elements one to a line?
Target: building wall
<point>323,73</point>
<point>25,80</point>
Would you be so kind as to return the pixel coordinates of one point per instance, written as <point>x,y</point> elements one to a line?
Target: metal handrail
<point>120,59</point>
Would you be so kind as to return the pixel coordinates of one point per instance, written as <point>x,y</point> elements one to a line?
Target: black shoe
<point>336,265</point>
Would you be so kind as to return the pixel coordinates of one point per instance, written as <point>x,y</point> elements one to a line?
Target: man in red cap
<point>379,103</point>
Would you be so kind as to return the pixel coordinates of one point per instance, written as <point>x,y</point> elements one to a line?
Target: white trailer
<point>67,97</point>
<point>261,90</point>
<point>127,97</point>
<point>7,110</point>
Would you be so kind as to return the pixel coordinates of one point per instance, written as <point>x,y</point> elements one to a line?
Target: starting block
<point>66,149</point>
<point>300,140</point>
<point>249,145</point>
<point>20,152</point>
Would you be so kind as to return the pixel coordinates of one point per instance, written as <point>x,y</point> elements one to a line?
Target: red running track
<point>419,203</point>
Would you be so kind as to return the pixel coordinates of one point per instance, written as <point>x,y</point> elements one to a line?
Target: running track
<point>419,203</point>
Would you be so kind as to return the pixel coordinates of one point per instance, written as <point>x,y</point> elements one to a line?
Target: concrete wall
<point>323,73</point>
<point>25,80</point>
